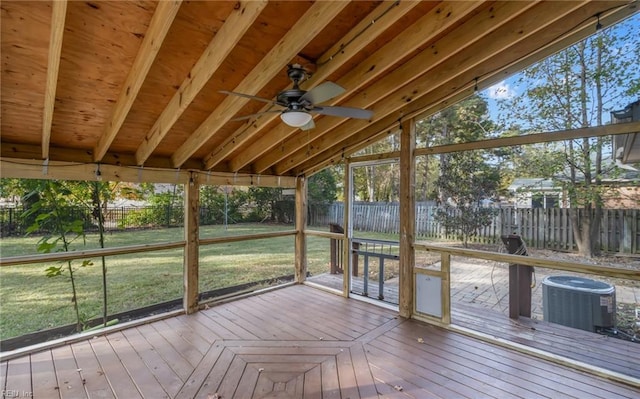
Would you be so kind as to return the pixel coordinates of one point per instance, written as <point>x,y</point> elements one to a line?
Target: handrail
<point>325,234</point>
<point>93,253</point>
<point>533,261</point>
<point>246,237</point>
<point>376,241</point>
<point>89,253</point>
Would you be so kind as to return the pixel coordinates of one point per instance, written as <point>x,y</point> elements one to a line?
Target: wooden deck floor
<point>296,342</point>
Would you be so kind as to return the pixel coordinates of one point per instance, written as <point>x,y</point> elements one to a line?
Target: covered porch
<point>141,92</point>
<point>262,346</point>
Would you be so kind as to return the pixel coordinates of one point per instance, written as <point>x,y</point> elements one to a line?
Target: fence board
<point>540,228</point>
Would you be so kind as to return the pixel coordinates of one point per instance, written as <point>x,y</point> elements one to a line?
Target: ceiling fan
<point>300,104</point>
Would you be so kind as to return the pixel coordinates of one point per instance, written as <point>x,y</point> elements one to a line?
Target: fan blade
<point>264,100</point>
<point>308,126</point>
<point>322,92</point>
<point>346,112</point>
<point>241,118</point>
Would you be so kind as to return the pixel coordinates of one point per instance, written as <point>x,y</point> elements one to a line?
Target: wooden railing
<point>553,264</point>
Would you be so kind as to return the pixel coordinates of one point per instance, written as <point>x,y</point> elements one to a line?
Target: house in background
<point>627,146</point>
<point>619,193</point>
<point>537,193</point>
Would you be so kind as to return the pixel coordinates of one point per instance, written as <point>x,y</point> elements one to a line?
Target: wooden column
<point>445,269</point>
<point>407,216</point>
<point>346,247</point>
<point>191,236</point>
<point>301,224</point>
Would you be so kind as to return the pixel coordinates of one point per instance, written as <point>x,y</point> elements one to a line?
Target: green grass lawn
<point>30,301</point>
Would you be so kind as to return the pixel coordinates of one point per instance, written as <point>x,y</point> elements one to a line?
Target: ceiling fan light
<point>295,118</point>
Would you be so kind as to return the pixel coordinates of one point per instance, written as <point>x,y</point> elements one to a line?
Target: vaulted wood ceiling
<point>137,83</point>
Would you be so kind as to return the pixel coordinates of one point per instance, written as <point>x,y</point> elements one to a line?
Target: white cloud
<point>500,91</point>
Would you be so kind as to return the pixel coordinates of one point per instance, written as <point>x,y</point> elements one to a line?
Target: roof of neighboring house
<point>533,184</point>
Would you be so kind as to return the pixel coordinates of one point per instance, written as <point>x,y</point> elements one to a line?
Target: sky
<point>508,88</point>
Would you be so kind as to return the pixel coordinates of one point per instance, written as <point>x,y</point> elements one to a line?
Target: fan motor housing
<point>290,96</point>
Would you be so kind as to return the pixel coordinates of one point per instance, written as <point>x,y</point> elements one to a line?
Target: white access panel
<point>429,295</point>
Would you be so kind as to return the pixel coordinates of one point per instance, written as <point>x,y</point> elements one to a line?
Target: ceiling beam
<point>154,37</point>
<point>458,52</point>
<point>533,138</point>
<point>422,31</point>
<point>319,15</point>
<point>31,151</point>
<point>58,16</point>
<point>32,169</point>
<point>443,97</point>
<point>374,24</point>
<point>216,52</point>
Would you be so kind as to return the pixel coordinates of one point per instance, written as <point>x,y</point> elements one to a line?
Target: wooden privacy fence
<point>539,228</point>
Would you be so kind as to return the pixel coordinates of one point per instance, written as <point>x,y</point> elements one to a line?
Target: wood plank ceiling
<point>138,83</point>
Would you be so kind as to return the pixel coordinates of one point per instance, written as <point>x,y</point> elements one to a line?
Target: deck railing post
<point>407,216</point>
<point>335,246</point>
<point>301,225</point>
<point>191,236</point>
<point>520,278</point>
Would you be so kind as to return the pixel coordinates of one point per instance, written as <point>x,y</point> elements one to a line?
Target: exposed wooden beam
<point>407,217</point>
<point>372,26</point>
<point>532,138</point>
<point>158,27</point>
<point>27,151</point>
<point>216,52</point>
<point>418,76</point>
<point>509,42</point>
<point>318,16</point>
<point>546,137</point>
<point>57,170</point>
<point>425,29</point>
<point>58,16</point>
<point>443,97</point>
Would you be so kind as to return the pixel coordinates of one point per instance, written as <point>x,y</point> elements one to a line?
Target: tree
<point>574,89</point>
<point>222,204</point>
<point>381,182</point>
<point>322,187</point>
<point>462,181</point>
<point>464,184</point>
<point>265,200</point>
<point>53,212</point>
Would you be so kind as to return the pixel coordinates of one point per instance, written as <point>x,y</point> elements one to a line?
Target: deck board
<point>171,356</point>
<point>19,376</point>
<point>142,377</point>
<point>43,371</point>
<point>591,348</point>
<point>163,373</point>
<point>96,384</point>
<point>119,379</point>
<point>269,346</point>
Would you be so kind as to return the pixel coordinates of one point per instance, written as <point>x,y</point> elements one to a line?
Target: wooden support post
<point>346,247</point>
<point>407,216</point>
<point>355,258</point>
<point>301,224</point>
<point>445,269</point>
<point>191,236</point>
<point>520,278</point>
